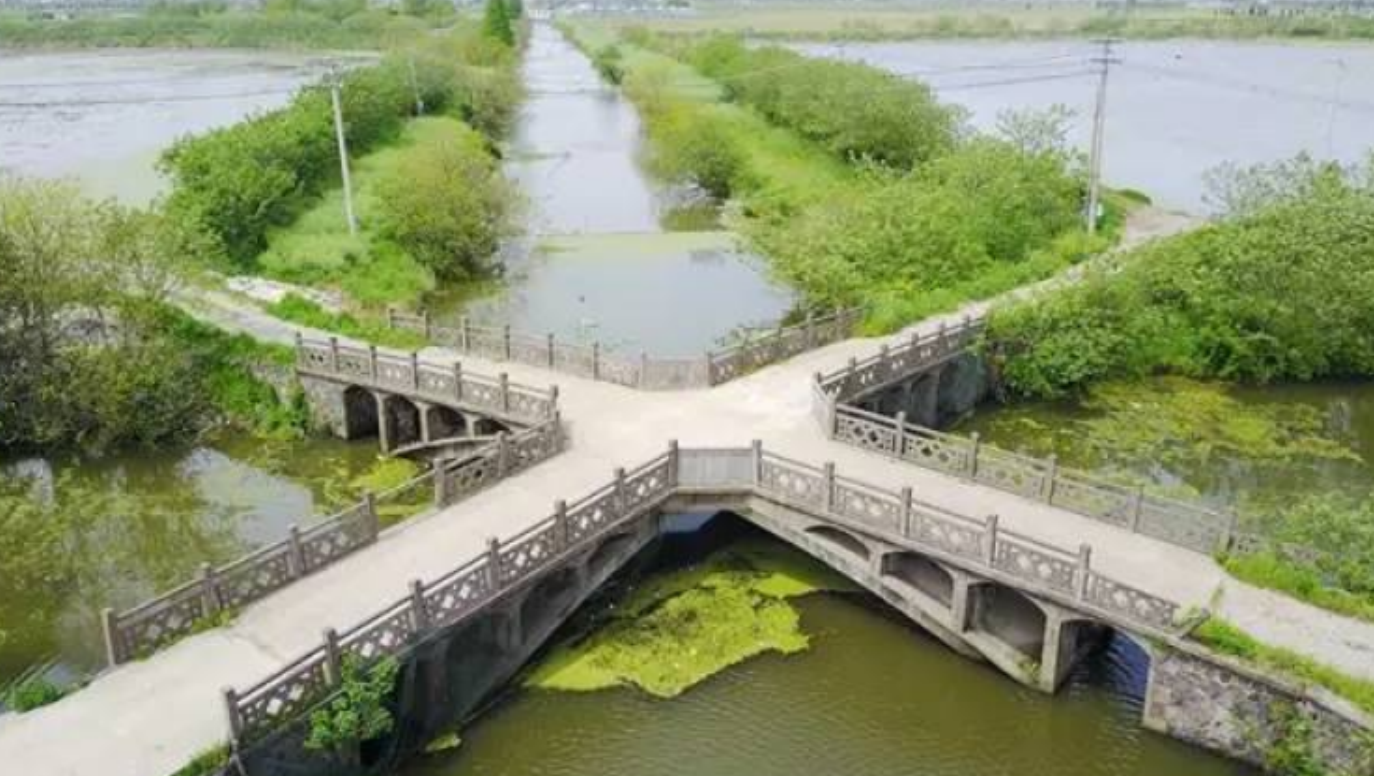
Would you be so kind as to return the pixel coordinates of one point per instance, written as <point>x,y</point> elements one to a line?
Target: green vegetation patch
<point>298,309</point>
<point>1227,639</point>
<point>388,473</point>
<point>679,629</point>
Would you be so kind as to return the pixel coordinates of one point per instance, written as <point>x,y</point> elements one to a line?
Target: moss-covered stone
<point>680,628</point>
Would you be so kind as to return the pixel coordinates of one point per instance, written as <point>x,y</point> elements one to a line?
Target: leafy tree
<point>497,23</point>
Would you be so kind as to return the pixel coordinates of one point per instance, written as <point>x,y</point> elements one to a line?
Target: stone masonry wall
<point>1229,708</point>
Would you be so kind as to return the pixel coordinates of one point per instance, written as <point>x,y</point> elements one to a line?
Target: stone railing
<point>500,343</point>
<point>976,544</point>
<point>439,383</point>
<point>220,591</point>
<point>1192,526</point>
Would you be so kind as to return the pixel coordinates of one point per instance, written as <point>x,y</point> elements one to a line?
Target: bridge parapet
<point>645,372</point>
<point>732,475</point>
<point>450,385</point>
<point>217,592</point>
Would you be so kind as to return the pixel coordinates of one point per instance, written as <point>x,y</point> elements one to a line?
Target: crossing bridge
<point>464,593</point>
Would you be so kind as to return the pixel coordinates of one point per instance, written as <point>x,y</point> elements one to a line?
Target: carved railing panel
<point>933,450</point>
<point>591,515</point>
<point>1130,602</point>
<point>527,553</point>
<point>792,485</point>
<point>285,696</point>
<point>1179,525</point>
<point>1107,503</point>
<point>861,430</point>
<point>1020,558</point>
<point>451,597</point>
<point>867,505</point>
<point>248,579</point>
<point>1010,472</point>
<point>955,538</point>
<point>384,634</point>
<point>331,541</point>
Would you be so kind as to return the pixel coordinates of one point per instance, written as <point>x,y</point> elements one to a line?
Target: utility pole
<point>335,82</point>
<point>415,87</point>
<point>1104,62</point>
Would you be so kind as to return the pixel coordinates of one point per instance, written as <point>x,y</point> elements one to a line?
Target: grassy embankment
<point>855,184</point>
<point>882,22</point>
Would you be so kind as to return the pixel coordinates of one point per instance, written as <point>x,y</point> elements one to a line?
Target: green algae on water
<point>685,626</point>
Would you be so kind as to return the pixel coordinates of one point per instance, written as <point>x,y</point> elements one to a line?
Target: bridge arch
<point>1009,616</point>
<point>844,540</point>
<point>608,554</point>
<point>921,573</point>
<point>548,599</point>
<point>360,417</point>
<point>442,422</point>
<point>483,426</point>
<point>400,420</point>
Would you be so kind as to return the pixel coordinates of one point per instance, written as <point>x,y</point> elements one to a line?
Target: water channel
<point>1197,104</point>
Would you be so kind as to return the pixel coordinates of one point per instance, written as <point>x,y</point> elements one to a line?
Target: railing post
<point>374,523</point>
<point>552,350</point>
<point>884,361</point>
<point>505,391</point>
<point>674,460</point>
<point>440,485</point>
<point>424,318</point>
<point>810,330</point>
<point>494,563</point>
<point>505,338</point>
<point>1228,532</point>
<point>231,707</point>
<point>209,588</point>
<point>390,317</point>
<point>465,334</point>
<point>109,627</point>
<point>502,445</point>
<point>710,360</point>
<point>417,606</point>
<point>756,461</point>
<point>596,360</point>
<point>553,401</point>
<point>975,444</point>
<point>560,524</point>
<point>907,512</point>
<point>457,381</point>
<point>1051,474</point>
<point>620,491</point>
<point>829,486</point>
<point>990,539</point>
<point>295,556</point>
<point>643,369</point>
<point>415,370</point>
<point>372,361</point>
<point>899,437</point>
<point>334,355</point>
<point>333,668</point>
<point>1137,507</point>
<point>1080,582</point>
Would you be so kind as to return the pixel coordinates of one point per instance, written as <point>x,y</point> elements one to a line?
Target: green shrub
<point>358,711</point>
<point>33,693</point>
<point>695,143</point>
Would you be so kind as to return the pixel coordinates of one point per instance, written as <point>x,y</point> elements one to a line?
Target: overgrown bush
<point>358,712</point>
<point>1279,292</point>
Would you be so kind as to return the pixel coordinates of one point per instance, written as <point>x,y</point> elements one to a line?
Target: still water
<point>103,117</point>
<point>595,264</point>
<point>872,695</point>
<point>1176,109</point>
<point>148,518</point>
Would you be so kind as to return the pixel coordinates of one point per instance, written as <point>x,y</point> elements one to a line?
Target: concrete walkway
<point>149,718</point>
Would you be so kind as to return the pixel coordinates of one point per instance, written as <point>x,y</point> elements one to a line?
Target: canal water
<point>873,695</point>
<point>146,520</point>
<point>1196,104</point>
<point>595,262</point>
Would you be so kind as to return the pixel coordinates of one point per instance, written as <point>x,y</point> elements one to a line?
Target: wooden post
<point>505,391</point>
<point>552,351</point>
<point>494,563</point>
<point>562,533</point>
<point>1080,582</point>
<point>295,557</point>
<point>333,354</point>
<point>674,461</point>
<point>1137,507</point>
<point>417,606</point>
<point>465,334</point>
<point>974,446</point>
<point>505,338</point>
<point>109,627</point>
<point>372,361</point>
<point>908,513</point>
<point>333,667</point>
<point>457,381</point>
<point>828,496</point>
<point>1051,474</point>
<point>209,589</point>
<point>990,539</point>
<point>231,707</point>
<point>596,360</point>
<point>899,437</point>
<point>756,458</point>
<point>415,370</point>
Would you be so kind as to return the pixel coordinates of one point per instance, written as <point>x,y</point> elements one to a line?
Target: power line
<point>1249,86</point>
<point>1013,81</point>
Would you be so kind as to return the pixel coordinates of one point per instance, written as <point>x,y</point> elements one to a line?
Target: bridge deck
<point>149,718</point>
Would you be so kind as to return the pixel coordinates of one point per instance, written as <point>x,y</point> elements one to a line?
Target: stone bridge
<point>464,594</point>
